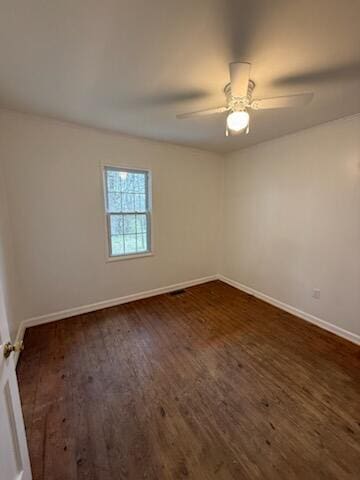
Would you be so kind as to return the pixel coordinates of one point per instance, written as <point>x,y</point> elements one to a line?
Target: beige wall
<point>292,220</point>
<point>54,182</point>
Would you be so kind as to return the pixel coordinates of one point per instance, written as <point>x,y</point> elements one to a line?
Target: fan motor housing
<point>239,103</point>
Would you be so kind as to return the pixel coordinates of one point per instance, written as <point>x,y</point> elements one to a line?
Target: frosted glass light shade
<point>237,121</point>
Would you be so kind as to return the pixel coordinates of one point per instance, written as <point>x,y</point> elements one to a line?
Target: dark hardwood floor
<point>210,384</point>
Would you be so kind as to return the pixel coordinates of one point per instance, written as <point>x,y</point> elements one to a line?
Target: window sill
<point>121,258</point>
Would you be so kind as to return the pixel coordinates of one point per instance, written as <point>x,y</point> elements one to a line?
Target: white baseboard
<point>352,337</point>
<point>71,312</point>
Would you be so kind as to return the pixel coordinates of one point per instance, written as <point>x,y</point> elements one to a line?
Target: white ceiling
<point>131,65</point>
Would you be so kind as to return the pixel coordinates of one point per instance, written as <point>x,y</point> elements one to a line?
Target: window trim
<point>148,193</point>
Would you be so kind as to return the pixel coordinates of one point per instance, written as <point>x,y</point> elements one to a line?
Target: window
<point>127,204</point>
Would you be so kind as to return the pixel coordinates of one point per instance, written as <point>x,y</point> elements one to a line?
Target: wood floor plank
<point>209,384</point>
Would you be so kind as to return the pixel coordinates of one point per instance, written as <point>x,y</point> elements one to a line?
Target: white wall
<point>292,220</point>
<point>53,175</point>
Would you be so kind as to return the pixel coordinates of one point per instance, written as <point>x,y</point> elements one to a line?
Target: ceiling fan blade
<point>200,113</point>
<point>239,78</point>
<point>338,73</point>
<point>282,102</point>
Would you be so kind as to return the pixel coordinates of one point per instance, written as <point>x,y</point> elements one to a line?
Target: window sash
<point>148,233</point>
<point>127,170</point>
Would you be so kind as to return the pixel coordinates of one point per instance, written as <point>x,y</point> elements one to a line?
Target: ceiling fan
<point>239,93</point>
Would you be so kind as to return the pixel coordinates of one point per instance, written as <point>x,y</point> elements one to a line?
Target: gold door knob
<point>16,347</point>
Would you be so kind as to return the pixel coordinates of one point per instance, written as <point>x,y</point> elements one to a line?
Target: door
<point>14,458</point>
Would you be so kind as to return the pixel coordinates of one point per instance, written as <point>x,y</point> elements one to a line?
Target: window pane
<point>129,224</point>
<point>140,204</point>
<point>140,223</point>
<point>113,181</point>
<point>142,242</point>
<point>130,243</point>
<point>139,182</point>
<point>114,202</point>
<point>127,184</point>
<point>116,224</point>
<point>117,245</point>
<point>128,202</point>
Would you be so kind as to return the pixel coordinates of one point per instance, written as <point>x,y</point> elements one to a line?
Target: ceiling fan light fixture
<point>237,121</point>
<point>239,99</point>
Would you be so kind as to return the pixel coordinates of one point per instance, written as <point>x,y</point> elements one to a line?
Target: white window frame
<point>107,214</point>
